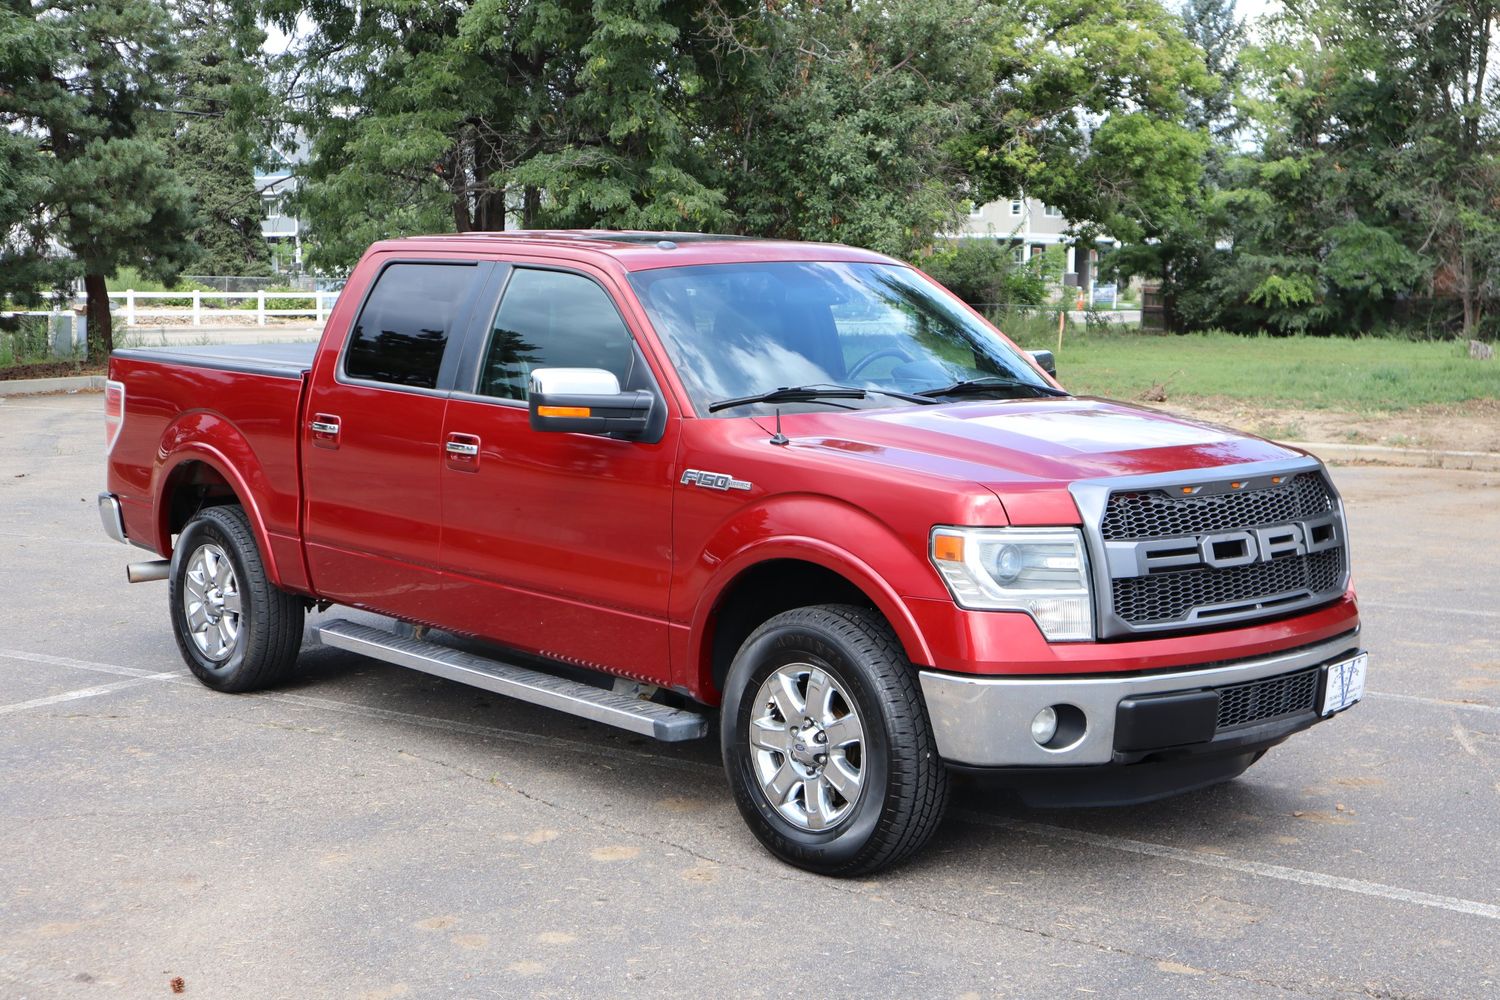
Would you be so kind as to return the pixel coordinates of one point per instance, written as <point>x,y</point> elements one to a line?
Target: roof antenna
<point>778,437</point>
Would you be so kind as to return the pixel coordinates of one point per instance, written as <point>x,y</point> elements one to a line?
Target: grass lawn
<point>1367,375</point>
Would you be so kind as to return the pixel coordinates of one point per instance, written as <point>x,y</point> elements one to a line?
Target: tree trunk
<point>1470,295</point>
<point>101,329</point>
<point>531,204</point>
<point>458,184</point>
<point>491,211</point>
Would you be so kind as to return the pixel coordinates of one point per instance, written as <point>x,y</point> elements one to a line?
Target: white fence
<point>134,305</point>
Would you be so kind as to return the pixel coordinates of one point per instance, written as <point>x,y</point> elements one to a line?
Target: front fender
<point>829,533</point>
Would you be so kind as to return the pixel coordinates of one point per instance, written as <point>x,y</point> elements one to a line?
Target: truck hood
<point>1029,446</point>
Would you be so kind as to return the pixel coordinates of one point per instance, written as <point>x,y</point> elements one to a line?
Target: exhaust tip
<point>146,572</point>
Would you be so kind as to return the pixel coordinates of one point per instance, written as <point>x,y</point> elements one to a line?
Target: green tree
<point>219,87</point>
<point>1213,27</point>
<point>841,121</point>
<point>1371,190</point>
<point>81,80</point>
<point>459,116</point>
<point>1090,113</point>
<point>1180,247</point>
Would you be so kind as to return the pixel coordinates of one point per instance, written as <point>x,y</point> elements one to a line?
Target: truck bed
<point>276,360</point>
<point>226,413</point>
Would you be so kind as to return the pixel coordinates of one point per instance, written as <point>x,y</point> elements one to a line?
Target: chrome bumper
<point>113,518</point>
<point>986,721</point>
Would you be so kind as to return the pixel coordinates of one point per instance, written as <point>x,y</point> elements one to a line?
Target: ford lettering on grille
<point>1223,549</point>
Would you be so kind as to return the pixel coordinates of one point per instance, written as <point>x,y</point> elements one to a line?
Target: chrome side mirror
<point>587,401</point>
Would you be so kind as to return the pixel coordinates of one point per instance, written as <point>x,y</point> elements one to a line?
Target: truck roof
<point>640,250</point>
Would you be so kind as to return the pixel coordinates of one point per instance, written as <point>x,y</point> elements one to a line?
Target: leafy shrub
<point>983,272</point>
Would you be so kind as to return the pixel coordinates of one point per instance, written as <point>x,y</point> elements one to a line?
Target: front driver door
<point>557,544</point>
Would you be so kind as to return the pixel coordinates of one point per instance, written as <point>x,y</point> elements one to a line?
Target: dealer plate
<point>1346,683</point>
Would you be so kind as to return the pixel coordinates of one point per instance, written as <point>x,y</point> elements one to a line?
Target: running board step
<point>638,716</point>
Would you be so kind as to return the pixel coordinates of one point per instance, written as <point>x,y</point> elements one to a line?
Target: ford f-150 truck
<point>641,477</point>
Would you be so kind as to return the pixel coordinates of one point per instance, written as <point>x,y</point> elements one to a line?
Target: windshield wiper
<point>986,382</point>
<point>814,394</point>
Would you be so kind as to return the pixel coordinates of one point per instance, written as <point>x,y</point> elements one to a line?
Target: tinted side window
<point>553,319</point>
<point>404,326</point>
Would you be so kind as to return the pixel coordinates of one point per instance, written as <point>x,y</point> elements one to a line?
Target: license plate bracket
<point>1343,684</point>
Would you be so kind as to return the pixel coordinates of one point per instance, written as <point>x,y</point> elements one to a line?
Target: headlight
<point>1041,571</point>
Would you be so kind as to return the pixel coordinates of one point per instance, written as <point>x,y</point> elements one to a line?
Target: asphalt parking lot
<point>371,832</point>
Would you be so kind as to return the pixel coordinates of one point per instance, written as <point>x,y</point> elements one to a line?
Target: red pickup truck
<point>645,476</point>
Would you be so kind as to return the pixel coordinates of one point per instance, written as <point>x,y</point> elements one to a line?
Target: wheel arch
<point>197,475</point>
<point>779,576</point>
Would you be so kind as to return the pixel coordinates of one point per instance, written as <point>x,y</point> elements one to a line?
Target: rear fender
<point>208,438</point>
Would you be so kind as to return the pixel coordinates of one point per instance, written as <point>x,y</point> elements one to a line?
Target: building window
<point>1015,206</point>
<point>1051,212</point>
<point>976,210</point>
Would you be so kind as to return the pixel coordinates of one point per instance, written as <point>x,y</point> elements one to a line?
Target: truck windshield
<point>736,330</point>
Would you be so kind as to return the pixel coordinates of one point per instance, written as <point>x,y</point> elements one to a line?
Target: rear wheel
<point>827,743</point>
<point>236,631</point>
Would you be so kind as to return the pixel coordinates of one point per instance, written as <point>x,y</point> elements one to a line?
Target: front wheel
<point>827,743</point>
<point>235,629</point>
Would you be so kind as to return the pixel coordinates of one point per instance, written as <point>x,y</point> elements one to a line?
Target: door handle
<point>462,452</point>
<point>325,430</point>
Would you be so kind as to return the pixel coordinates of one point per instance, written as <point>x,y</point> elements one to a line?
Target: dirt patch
<point>49,369</point>
<point>1469,426</point>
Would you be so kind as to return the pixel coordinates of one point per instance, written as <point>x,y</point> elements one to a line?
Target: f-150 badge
<point>712,480</point>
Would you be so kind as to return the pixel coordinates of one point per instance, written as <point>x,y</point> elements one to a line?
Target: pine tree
<point>81,81</point>
<point>215,156</point>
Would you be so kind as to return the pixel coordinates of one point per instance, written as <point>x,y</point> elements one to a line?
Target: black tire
<point>269,633</point>
<point>905,788</point>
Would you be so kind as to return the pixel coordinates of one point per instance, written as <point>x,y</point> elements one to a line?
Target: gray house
<point>1029,227</point>
<point>276,182</point>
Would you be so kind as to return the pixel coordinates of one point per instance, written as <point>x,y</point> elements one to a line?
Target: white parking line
<point>88,692</point>
<point>1261,868</point>
<point>1044,831</point>
<point>63,661</point>
<point>371,712</point>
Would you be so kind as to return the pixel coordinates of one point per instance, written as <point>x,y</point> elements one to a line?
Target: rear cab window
<point>414,310</point>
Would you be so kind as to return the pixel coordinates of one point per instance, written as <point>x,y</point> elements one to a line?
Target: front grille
<point>1269,698</point>
<point>1191,593</point>
<point>1156,514</point>
<point>1169,597</point>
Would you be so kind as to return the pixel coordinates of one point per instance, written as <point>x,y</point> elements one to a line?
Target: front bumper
<point>986,721</point>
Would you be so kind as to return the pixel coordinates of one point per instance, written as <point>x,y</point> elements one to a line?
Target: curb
<point>1471,461</point>
<point>39,386</point>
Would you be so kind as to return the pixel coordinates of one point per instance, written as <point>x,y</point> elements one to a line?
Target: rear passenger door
<point>371,451</point>
<point>558,544</point>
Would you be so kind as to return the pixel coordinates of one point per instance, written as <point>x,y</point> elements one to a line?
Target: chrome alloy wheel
<point>211,601</point>
<point>807,744</point>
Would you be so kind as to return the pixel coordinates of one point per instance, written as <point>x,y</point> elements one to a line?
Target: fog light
<point>1044,726</point>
